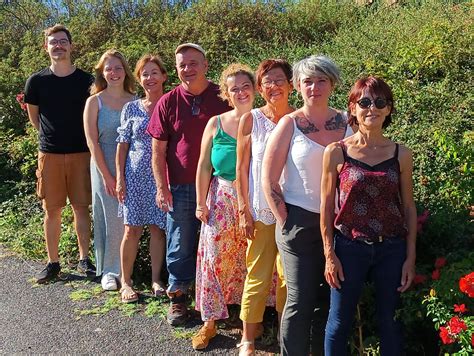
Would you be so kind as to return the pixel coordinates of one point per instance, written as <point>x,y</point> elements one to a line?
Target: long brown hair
<point>100,82</point>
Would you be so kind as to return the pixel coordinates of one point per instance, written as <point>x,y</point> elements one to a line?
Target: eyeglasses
<point>63,42</point>
<point>195,109</point>
<point>366,103</point>
<point>278,82</point>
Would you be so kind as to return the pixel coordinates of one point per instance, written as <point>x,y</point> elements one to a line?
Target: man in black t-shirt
<point>55,98</point>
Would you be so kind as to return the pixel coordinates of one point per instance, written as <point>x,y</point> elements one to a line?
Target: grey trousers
<point>307,304</point>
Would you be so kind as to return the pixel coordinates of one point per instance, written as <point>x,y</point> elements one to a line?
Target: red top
<point>173,121</point>
<point>369,199</point>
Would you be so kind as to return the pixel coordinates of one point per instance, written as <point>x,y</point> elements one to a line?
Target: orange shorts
<point>61,176</point>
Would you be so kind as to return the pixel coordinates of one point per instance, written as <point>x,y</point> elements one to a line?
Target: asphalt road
<point>39,319</point>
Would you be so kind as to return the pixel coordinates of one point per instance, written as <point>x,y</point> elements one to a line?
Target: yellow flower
<point>432,293</point>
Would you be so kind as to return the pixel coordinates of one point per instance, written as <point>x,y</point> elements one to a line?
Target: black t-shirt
<point>61,102</point>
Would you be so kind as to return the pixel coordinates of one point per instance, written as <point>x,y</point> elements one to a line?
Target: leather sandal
<point>158,289</point>
<point>245,348</point>
<point>128,295</point>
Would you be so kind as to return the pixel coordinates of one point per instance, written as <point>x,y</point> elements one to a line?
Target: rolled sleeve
<point>126,124</point>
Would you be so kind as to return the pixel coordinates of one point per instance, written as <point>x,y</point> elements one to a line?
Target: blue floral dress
<point>139,207</point>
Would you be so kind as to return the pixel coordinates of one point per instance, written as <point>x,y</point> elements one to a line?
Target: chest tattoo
<point>335,123</point>
<point>305,125</point>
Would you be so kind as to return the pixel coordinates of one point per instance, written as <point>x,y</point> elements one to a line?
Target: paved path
<point>44,319</point>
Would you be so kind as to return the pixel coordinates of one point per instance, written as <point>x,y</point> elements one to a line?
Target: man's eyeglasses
<point>195,109</point>
<point>366,103</point>
<point>267,84</point>
<point>63,42</point>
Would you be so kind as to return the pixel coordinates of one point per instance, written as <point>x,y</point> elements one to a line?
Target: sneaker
<point>109,282</point>
<point>85,266</point>
<point>178,312</point>
<point>50,272</point>
<point>202,338</point>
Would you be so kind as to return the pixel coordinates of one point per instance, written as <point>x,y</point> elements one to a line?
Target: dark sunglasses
<point>366,103</point>
<point>195,109</point>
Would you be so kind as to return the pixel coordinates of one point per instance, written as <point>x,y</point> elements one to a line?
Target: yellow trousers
<point>262,256</point>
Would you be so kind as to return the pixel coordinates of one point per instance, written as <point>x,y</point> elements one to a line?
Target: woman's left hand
<point>408,273</point>
<point>202,213</point>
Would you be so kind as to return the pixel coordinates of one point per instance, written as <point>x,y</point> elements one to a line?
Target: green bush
<point>422,48</point>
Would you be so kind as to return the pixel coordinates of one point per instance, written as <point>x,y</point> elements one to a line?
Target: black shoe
<point>85,266</point>
<point>178,311</point>
<point>50,272</point>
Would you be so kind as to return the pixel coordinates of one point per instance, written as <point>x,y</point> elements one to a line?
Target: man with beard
<point>55,98</point>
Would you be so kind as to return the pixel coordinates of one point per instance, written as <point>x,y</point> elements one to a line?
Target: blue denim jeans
<point>181,238</point>
<point>382,263</point>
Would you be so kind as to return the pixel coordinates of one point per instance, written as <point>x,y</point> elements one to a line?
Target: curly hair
<point>231,71</point>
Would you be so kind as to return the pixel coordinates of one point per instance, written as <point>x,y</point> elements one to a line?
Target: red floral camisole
<point>369,199</point>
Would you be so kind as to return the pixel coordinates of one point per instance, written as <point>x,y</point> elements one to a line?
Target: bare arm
<point>91,112</point>
<point>274,159</point>
<point>33,115</point>
<point>331,159</point>
<point>244,146</point>
<point>163,194</point>
<point>120,159</point>
<point>204,170</point>
<point>409,210</point>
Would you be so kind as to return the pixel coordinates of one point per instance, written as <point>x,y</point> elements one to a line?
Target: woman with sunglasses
<point>257,221</point>
<point>296,149</point>
<point>220,270</point>
<point>373,234</point>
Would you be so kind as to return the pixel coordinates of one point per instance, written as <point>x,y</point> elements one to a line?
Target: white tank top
<point>261,130</point>
<point>301,176</point>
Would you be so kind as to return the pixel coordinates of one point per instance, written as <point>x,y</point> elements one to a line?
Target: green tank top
<point>223,153</point>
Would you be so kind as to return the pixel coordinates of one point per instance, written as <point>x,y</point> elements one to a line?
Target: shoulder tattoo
<point>305,125</point>
<point>335,123</point>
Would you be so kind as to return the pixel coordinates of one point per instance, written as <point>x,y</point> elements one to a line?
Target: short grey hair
<point>312,66</point>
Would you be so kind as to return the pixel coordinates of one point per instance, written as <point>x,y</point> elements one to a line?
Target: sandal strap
<point>245,343</point>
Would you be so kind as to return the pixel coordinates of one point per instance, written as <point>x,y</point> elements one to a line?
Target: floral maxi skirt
<point>221,270</point>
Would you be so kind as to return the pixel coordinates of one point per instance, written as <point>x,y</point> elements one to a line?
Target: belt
<point>367,240</point>
<point>371,240</point>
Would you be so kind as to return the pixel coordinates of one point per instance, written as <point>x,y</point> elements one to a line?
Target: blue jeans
<point>181,238</point>
<point>382,262</point>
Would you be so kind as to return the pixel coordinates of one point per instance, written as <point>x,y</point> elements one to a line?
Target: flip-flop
<point>128,291</point>
<point>158,289</point>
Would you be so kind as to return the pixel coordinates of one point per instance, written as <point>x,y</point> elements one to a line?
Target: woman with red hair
<point>373,234</point>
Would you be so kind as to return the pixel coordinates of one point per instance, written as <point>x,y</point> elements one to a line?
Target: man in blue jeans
<point>177,125</point>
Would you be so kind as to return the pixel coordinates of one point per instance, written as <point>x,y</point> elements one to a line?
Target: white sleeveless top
<point>261,130</point>
<point>302,173</point>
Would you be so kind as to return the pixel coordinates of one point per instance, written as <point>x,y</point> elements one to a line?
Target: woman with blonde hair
<point>221,267</point>
<point>136,189</point>
<point>113,87</point>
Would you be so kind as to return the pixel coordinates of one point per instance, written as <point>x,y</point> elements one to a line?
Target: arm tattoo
<point>277,195</point>
<point>335,123</point>
<point>305,125</point>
